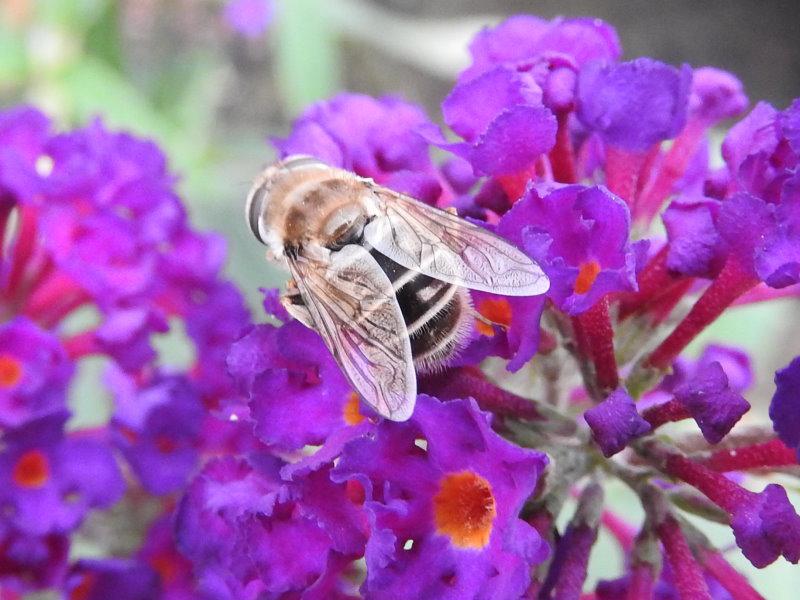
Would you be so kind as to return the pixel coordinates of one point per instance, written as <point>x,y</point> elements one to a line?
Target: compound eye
<point>255,209</point>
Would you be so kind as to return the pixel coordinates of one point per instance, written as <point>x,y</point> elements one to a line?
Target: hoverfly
<point>380,276</point>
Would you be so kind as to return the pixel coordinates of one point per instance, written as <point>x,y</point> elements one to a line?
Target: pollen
<point>464,509</point>
<point>496,310</point>
<point>10,371</point>
<point>32,470</point>
<point>350,412</point>
<point>586,276</point>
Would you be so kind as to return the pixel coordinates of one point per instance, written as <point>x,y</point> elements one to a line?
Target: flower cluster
<point>267,476</point>
<point>98,260</point>
<point>572,154</point>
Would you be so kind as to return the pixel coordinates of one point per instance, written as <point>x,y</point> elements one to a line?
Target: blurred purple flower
<point>49,481</point>
<point>111,578</point>
<point>251,18</point>
<point>156,427</point>
<point>34,372</point>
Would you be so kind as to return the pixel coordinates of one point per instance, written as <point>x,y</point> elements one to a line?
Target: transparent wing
<point>354,309</point>
<point>446,247</point>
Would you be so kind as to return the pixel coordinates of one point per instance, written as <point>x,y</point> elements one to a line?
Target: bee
<point>380,276</point>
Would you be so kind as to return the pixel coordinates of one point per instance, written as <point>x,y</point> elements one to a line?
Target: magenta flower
<point>34,372</point>
<point>634,105</point>
<point>50,480</point>
<point>615,422</point>
<point>377,138</point>
<point>156,426</point>
<point>254,471</point>
<point>783,408</point>
<point>443,493</point>
<point>239,521</point>
<point>111,578</point>
<point>90,222</point>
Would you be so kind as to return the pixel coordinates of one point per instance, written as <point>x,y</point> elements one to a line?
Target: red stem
<point>729,578</point>
<point>667,412</point>
<point>655,281</point>
<point>514,184</point>
<point>715,486</point>
<point>81,344</point>
<point>562,156</point>
<point>764,293</point>
<point>50,293</point>
<point>619,529</point>
<point>625,170</point>
<point>467,382</point>
<point>731,283</point>
<point>641,583</point>
<point>663,306</point>
<point>688,577</point>
<point>672,169</point>
<point>596,338</point>
<point>768,454</point>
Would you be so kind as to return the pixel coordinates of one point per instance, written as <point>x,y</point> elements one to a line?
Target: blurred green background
<point>176,71</point>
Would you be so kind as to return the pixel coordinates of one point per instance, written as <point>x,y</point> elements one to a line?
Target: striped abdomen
<point>437,314</point>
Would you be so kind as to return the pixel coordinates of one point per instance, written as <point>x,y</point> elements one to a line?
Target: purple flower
<point>711,401</point>
<point>249,533</point>
<point>377,138</point>
<point>567,571</point>
<point>443,492</point>
<point>615,422</point>
<point>125,335</point>
<point>636,104</point>
<point>694,242</point>
<point>525,37</point>
<point>30,562</point>
<point>519,317</point>
<point>215,316</point>
<point>298,395</point>
<point>789,122</point>
<point>783,410</point>
<point>48,480</point>
<point>156,426</point>
<point>101,253</point>
<point>251,18</point>
<point>715,95</point>
<point>579,236</point>
<point>767,526</point>
<point>112,578</point>
<point>159,552</point>
<point>34,372</point>
<point>501,117</point>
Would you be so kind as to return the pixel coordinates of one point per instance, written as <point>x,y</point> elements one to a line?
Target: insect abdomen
<point>437,314</point>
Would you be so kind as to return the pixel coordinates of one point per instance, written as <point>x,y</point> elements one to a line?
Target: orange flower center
<point>10,371</point>
<point>496,310</point>
<point>464,509</point>
<point>32,469</point>
<point>586,276</point>
<point>350,412</point>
